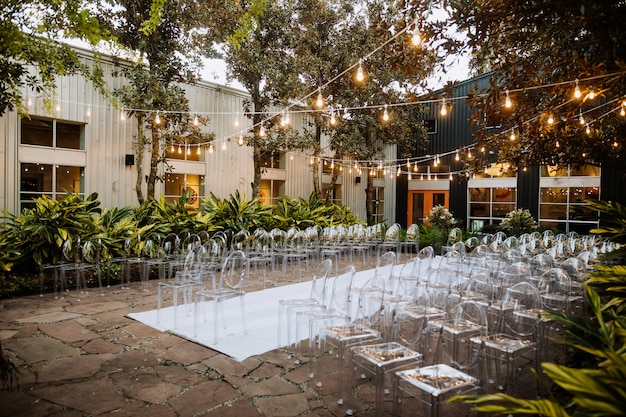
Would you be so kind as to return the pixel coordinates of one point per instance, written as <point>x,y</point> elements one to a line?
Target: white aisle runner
<point>261,309</point>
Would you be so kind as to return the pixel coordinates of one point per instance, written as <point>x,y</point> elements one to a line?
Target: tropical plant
<point>235,213</point>
<point>39,232</point>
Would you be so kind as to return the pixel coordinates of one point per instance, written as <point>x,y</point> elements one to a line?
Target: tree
<point>169,38</point>
<point>391,77</point>
<point>263,61</point>
<point>541,52</point>
<point>28,30</point>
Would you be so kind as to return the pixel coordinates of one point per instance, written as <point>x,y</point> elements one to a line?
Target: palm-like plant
<point>236,213</point>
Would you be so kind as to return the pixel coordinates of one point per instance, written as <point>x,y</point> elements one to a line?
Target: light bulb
<point>512,134</point>
<point>577,93</point>
<point>444,108</point>
<point>398,172</point>
<point>312,160</point>
<point>30,102</point>
<point>416,39</point>
<point>360,75</point>
<point>172,148</point>
<point>581,119</point>
<point>385,114</point>
<point>615,144</point>
<point>587,130</point>
<point>410,176</point>
<point>237,120</point>
<point>558,145</point>
<point>507,101</point>
<point>469,154</point>
<point>210,148</point>
<point>198,151</point>
<point>122,115</point>
<point>261,131</point>
<point>333,119</point>
<point>622,112</point>
<point>584,154</point>
<point>88,111</point>
<point>592,94</point>
<point>450,177</point>
<point>408,164</point>
<point>157,119</point>
<point>180,149</point>
<point>223,145</point>
<point>319,103</point>
<point>550,119</point>
<point>188,150</point>
<point>240,141</point>
<point>457,157</point>
<point>58,108</point>
<point>195,120</point>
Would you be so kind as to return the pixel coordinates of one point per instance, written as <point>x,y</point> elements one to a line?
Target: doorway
<point>421,202</point>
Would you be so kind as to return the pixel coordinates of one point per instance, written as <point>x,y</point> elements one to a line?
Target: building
<point>78,142</point>
<point>554,195</point>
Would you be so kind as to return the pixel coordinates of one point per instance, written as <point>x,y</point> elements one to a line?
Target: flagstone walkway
<point>86,358</point>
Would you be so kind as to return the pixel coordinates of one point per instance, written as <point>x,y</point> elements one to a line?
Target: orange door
<point>421,202</point>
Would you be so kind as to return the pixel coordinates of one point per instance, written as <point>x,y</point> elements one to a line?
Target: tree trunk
<point>154,162</point>
<point>256,184</point>
<point>369,199</point>
<point>139,153</point>
<point>315,167</point>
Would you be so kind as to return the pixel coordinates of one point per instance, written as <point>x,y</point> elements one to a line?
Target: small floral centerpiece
<point>441,217</point>
<point>518,222</point>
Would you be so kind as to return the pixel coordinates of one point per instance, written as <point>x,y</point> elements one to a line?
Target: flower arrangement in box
<point>517,222</point>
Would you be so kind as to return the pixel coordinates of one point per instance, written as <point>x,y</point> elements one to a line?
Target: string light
<point>88,111</point>
<point>237,120</point>
<point>29,103</point>
<point>333,119</point>
<point>58,107</point>
<point>507,101</point>
<point>188,149</point>
<point>557,144</point>
<point>198,151</point>
<point>577,93</point>
<point>319,103</point>
<point>550,119</point>
<point>195,120</point>
<point>457,157</point>
<point>592,94</point>
<point>122,115</point>
<point>240,141</point>
<point>223,145</point>
<point>416,39</point>
<point>261,131</point>
<point>360,75</point>
<point>450,178</point>
<point>622,112</point>
<point>312,160</point>
<point>157,119</point>
<point>469,154</point>
<point>410,176</point>
<point>172,148</point>
<point>588,130</point>
<point>408,164</point>
<point>615,144</point>
<point>581,119</point>
<point>385,114</point>
<point>512,134</point>
<point>211,148</point>
<point>180,149</point>
<point>444,109</point>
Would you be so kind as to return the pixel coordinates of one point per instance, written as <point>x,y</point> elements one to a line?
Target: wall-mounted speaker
<point>130,159</point>
<point>358,180</point>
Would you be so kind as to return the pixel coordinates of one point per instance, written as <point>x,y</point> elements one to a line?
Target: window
<point>54,181</point>
<point>332,195</point>
<point>491,205</point>
<point>176,183</point>
<point>562,194</point>
<point>272,159</point>
<point>52,134</point>
<point>379,204</point>
<point>271,190</point>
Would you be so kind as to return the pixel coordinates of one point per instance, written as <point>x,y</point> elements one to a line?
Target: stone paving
<point>86,358</point>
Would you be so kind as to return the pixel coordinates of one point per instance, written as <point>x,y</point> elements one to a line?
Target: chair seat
<point>504,343</point>
<point>438,379</point>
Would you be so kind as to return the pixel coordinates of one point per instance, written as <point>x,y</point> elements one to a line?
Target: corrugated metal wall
<point>108,139</point>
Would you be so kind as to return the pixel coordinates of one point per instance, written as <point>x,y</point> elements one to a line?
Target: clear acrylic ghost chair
<point>391,242</point>
<point>362,328</point>
<point>554,286</point>
<point>232,282</point>
<point>455,235</point>
<point>337,312</point>
<point>515,338</point>
<point>79,259</point>
<point>288,307</point>
<point>411,243</point>
<point>456,369</point>
<point>185,282</point>
<point>260,253</point>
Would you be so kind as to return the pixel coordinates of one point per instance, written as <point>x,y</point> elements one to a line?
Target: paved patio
<point>86,358</point>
